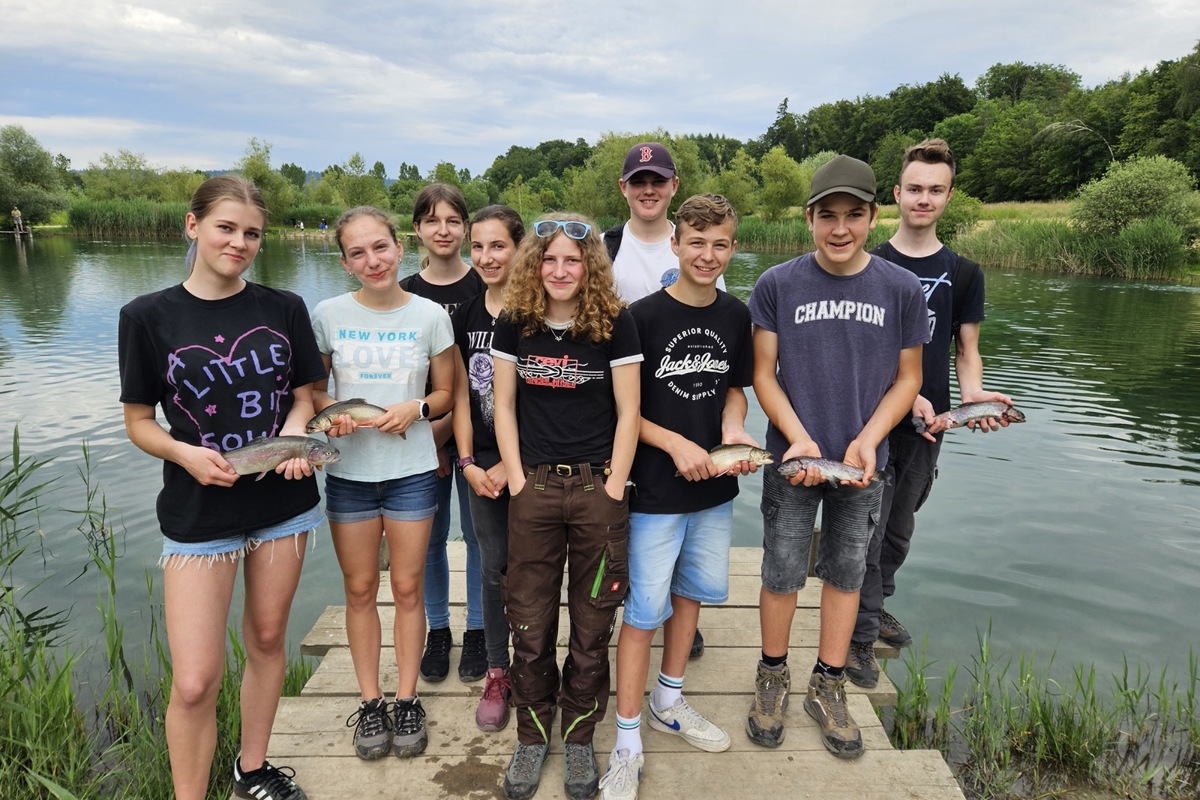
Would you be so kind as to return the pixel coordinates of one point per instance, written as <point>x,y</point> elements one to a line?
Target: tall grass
<point>63,733</point>
<point>1020,733</point>
<point>126,218</point>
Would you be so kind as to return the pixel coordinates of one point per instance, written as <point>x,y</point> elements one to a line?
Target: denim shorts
<point>848,518</point>
<point>407,499</point>
<point>234,547</point>
<point>680,554</point>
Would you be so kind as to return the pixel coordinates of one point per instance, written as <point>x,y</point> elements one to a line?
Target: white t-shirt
<point>382,357</point>
<point>642,268</point>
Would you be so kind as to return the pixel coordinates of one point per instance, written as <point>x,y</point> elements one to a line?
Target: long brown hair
<point>598,303</point>
<point>213,191</point>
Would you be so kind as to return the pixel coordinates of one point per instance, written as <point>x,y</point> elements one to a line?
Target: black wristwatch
<point>422,409</point>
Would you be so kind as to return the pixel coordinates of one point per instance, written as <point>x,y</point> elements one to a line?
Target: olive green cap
<point>844,175</point>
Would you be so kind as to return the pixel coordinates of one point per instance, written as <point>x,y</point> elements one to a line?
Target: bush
<point>1138,189</point>
<point>961,215</point>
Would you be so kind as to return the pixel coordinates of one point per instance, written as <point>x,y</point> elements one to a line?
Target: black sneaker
<point>435,661</point>
<point>408,728</point>
<point>472,662</point>
<point>697,645</point>
<point>861,667</point>
<point>266,783</point>
<point>892,632</point>
<point>372,729</point>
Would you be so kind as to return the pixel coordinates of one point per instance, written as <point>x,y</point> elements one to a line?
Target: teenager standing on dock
<point>381,343</point>
<point>837,363</point>
<point>228,361</point>
<point>18,222</point>
<point>954,293</point>
<point>496,231</point>
<point>566,383</point>
<point>440,221</point>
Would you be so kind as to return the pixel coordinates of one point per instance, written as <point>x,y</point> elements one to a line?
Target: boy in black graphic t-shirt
<point>698,356</point>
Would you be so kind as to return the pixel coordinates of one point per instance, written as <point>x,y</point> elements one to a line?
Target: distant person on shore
<point>496,231</point>
<point>954,293</point>
<point>837,363</point>
<point>566,385</point>
<point>324,226</point>
<point>698,357</point>
<point>381,343</point>
<point>640,248</point>
<point>175,347</point>
<point>440,221</point>
<point>18,223</point>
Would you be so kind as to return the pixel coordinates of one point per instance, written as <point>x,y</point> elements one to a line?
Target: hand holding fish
<point>808,476</point>
<point>692,462</point>
<point>988,423</point>
<point>206,465</point>
<point>861,454</point>
<point>398,418</point>
<point>748,459</point>
<point>998,412</point>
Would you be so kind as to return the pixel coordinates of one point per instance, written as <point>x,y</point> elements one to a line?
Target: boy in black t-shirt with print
<point>698,357</point>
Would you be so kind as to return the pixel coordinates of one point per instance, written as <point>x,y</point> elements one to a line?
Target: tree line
<point>1022,132</point>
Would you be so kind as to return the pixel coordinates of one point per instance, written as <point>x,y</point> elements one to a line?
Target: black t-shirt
<point>473,330</point>
<point>223,372</point>
<point>693,355</point>
<point>566,410</point>
<point>450,295</point>
<point>936,273</point>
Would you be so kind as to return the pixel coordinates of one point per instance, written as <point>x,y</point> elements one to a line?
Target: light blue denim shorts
<point>676,554</point>
<point>234,547</point>
<point>407,499</point>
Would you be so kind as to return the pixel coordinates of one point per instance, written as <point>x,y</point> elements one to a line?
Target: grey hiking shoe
<point>826,703</point>
<point>892,632</point>
<point>372,729</point>
<point>765,724</point>
<point>581,778</point>
<point>524,771</point>
<point>408,730</point>
<point>861,667</point>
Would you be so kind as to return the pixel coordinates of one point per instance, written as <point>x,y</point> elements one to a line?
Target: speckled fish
<point>832,471</point>
<point>973,412</point>
<point>357,409</point>
<point>726,456</point>
<point>263,455</point>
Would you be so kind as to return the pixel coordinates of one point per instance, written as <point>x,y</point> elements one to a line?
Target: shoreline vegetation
<point>84,720</point>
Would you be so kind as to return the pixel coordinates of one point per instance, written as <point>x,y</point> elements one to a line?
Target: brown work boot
<point>764,725</point>
<point>826,703</point>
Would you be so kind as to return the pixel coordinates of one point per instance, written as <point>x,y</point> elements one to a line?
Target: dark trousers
<point>571,520</point>
<point>489,518</point>
<point>911,470</point>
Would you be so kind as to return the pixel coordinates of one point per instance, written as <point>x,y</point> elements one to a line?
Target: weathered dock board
<point>311,736</point>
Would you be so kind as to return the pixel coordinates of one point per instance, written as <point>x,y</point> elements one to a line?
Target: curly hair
<point>598,303</point>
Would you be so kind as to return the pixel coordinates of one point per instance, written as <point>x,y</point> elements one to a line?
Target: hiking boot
<point>684,721</point>
<point>372,729</point>
<point>765,724</point>
<point>892,632</point>
<point>620,781</point>
<point>524,771</point>
<point>408,728</point>
<point>826,703</point>
<point>472,661</point>
<point>435,661</point>
<point>580,776</point>
<point>492,712</point>
<point>697,646</point>
<point>266,783</point>
<point>861,667</point>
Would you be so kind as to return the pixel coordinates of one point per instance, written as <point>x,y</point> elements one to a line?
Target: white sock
<point>629,734</point>
<point>667,692</point>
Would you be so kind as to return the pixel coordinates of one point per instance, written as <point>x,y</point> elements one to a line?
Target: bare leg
<point>407,542</point>
<point>357,548</point>
<point>633,665</point>
<point>678,632</point>
<point>839,611</point>
<point>775,613</point>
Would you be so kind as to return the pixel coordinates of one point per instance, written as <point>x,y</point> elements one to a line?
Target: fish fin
<point>261,475</point>
<point>402,436</point>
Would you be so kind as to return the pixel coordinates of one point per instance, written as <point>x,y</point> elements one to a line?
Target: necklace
<point>560,329</point>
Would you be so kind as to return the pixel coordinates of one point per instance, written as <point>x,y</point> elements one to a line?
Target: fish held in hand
<point>973,412</point>
<point>357,409</point>
<point>727,456</point>
<point>832,471</point>
<point>263,455</point>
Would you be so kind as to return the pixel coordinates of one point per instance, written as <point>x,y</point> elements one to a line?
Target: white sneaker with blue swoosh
<point>683,720</point>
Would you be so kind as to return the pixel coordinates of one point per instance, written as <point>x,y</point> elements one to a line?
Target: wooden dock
<point>311,736</point>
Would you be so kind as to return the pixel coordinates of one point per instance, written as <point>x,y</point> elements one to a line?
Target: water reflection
<point>1077,532</point>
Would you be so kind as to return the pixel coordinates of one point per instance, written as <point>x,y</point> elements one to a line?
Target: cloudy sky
<point>187,84</point>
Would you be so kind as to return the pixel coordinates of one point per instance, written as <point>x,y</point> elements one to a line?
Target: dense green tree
<point>787,131</point>
<point>593,189</point>
<point>886,161</point>
<point>294,175</point>
<point>125,176</point>
<point>1139,189</point>
<point>782,183</point>
<point>716,151</point>
<point>1044,85</point>
<point>1007,162</point>
<point>738,183</point>
<point>518,162</point>
<point>920,108</point>
<point>255,166</point>
<point>560,155</point>
<point>29,177</point>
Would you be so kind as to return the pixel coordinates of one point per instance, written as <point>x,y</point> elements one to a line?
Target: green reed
<point>63,733</point>
<point>1020,733</point>
<point>132,218</point>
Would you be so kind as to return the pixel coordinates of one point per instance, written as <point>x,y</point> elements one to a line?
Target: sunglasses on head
<point>546,228</point>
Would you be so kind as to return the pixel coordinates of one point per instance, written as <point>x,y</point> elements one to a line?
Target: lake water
<point>1076,534</point>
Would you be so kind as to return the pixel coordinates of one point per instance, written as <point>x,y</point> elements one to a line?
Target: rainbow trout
<point>832,471</point>
<point>263,455</point>
<point>973,412</point>
<point>726,456</point>
<point>357,409</point>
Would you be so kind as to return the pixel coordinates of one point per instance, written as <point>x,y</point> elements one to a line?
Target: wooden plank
<point>723,626</point>
<point>726,670</point>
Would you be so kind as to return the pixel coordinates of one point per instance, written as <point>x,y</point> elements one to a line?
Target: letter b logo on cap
<point>647,154</point>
